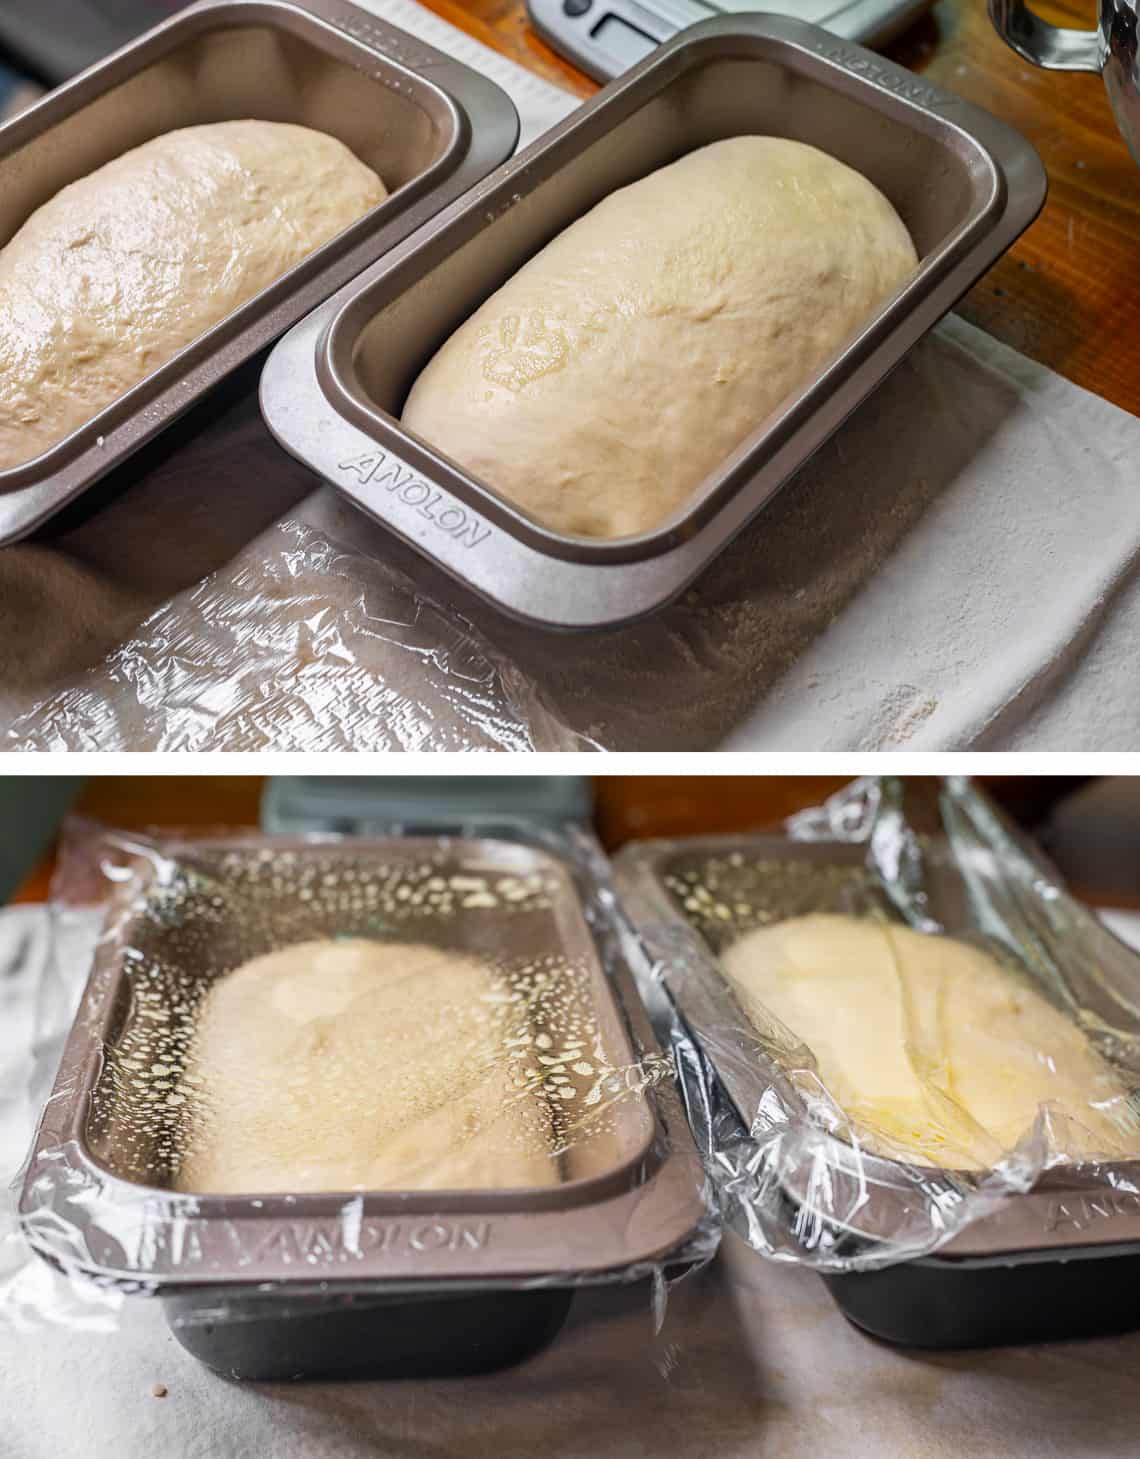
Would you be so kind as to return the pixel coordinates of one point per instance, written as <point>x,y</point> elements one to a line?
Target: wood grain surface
<point>627,807</point>
<point>1068,294</point>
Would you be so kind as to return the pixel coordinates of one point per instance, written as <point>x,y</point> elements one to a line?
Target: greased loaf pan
<point>277,1282</point>
<point>427,125</point>
<point>1054,1261</point>
<point>332,392</point>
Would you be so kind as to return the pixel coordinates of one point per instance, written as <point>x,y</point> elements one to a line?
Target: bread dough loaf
<point>347,1064</point>
<point>120,270</point>
<point>930,1045</point>
<point>630,357</point>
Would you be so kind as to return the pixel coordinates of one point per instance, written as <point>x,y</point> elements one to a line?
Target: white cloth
<point>753,1362</point>
<point>959,568</point>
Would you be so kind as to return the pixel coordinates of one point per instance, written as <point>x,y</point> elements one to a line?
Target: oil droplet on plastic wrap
<point>204,916</point>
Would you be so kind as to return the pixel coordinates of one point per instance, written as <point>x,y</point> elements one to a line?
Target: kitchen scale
<point>362,805</point>
<point>606,37</point>
<point>53,39</point>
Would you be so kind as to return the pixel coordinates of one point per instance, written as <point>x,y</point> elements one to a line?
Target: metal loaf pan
<point>965,185</point>
<point>385,1282</point>
<point>428,125</point>
<point>1059,1261</point>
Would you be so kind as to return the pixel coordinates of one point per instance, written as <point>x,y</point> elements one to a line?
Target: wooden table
<point>1068,294</point>
<point>628,807</point>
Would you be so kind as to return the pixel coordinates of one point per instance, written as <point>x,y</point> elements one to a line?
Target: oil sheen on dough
<point>600,385</point>
<point>335,1065</point>
<point>122,269</point>
<point>931,1046</point>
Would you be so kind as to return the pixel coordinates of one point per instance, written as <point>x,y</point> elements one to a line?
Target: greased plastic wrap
<point>978,981</point>
<point>298,644</point>
<point>334,1068</point>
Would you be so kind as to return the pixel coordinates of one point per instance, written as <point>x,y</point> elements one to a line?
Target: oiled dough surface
<point>627,359</point>
<point>930,1044</point>
<point>121,269</point>
<point>349,1063</point>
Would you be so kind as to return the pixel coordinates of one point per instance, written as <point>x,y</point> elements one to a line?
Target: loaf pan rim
<point>618,1190</point>
<point>638,872</point>
<point>34,490</point>
<point>706,43</point>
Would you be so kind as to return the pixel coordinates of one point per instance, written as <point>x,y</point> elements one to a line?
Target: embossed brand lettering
<point>362,466</point>
<point>374,468</point>
<point>904,86</point>
<point>297,1242</point>
<point>430,1238</point>
<point>399,48</point>
<point>186,1244</point>
<point>1080,1212</point>
<point>436,1235</point>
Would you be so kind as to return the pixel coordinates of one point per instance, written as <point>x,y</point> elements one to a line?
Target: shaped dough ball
<point>630,357</point>
<point>930,1045</point>
<point>337,1065</point>
<point>120,270</point>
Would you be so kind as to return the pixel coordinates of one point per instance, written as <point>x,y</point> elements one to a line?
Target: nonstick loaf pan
<point>1060,1260</point>
<point>392,1281</point>
<point>964,184</point>
<point>428,125</point>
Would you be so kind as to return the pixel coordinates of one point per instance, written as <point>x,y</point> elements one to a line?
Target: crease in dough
<point>353,1064</point>
<point>120,270</point>
<point>632,355</point>
<point>934,1049</point>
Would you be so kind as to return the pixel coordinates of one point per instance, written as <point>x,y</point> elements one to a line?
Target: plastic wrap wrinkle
<point>1016,1018</point>
<point>298,644</point>
<point>944,493</point>
<point>274,1154</point>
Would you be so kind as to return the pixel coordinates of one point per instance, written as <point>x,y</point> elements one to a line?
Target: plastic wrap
<point>506,1029</point>
<point>1033,994</point>
<point>298,644</point>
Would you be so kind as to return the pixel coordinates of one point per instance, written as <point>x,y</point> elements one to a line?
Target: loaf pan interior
<point>512,907</point>
<point>766,879</point>
<point>265,61</point>
<point>723,888</point>
<point>941,181</point>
